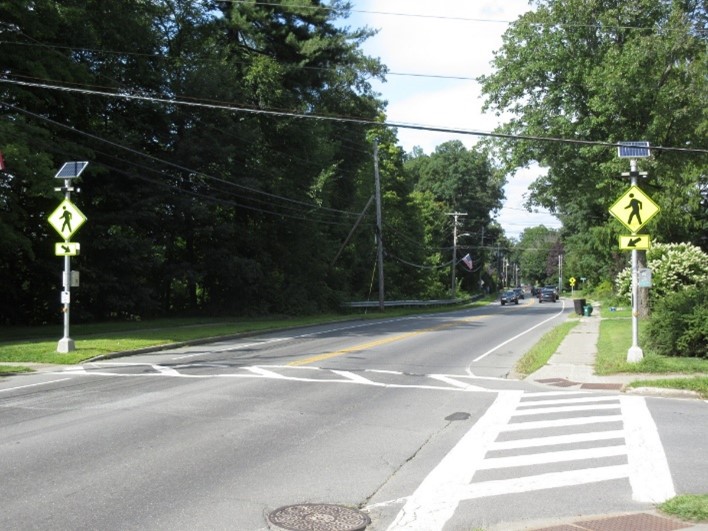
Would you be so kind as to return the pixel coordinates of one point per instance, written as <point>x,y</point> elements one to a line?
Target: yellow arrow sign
<point>634,209</point>
<point>66,219</point>
<point>640,242</point>
<point>67,249</point>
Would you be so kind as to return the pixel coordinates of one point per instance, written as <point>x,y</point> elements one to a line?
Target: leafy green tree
<point>193,207</point>
<point>464,181</point>
<point>590,72</point>
<point>535,253</point>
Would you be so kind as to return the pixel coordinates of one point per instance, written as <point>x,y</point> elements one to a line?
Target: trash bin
<point>587,310</point>
<point>579,304</point>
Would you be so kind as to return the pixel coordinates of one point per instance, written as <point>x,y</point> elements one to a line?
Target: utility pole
<point>379,240</point>
<point>454,249</point>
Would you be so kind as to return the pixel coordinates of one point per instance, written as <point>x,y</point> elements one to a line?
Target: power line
<point>334,118</point>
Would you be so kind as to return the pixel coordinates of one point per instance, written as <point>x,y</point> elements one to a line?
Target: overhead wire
<point>337,118</point>
<point>312,207</point>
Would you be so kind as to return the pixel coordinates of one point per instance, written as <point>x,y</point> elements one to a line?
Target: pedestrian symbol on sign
<point>636,206</point>
<point>66,216</point>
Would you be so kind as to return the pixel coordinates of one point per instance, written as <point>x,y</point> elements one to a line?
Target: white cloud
<point>444,38</point>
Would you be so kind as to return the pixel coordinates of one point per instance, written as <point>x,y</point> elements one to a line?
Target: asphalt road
<point>412,420</point>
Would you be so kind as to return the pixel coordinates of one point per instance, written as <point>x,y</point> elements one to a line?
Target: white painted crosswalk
<point>592,438</point>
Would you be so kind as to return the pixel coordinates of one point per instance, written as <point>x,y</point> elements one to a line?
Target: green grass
<point>39,344</point>
<point>616,339</point>
<point>699,384</point>
<point>13,369</point>
<point>693,507</point>
<point>540,353</point>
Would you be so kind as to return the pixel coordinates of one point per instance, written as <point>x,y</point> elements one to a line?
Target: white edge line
<point>33,385</point>
<point>517,336</point>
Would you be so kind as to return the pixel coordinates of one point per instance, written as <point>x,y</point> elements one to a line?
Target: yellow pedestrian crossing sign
<point>634,209</point>
<point>66,219</point>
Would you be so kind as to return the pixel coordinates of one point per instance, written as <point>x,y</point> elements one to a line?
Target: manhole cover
<point>318,517</point>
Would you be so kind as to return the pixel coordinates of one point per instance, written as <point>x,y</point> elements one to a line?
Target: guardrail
<point>394,304</point>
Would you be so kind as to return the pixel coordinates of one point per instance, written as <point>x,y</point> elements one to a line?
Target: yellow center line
<point>378,342</point>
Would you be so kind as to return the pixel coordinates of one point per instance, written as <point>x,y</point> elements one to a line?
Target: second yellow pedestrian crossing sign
<point>634,209</point>
<point>66,219</point>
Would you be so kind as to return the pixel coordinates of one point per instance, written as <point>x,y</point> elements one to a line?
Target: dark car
<point>547,294</point>
<point>520,293</point>
<point>509,296</point>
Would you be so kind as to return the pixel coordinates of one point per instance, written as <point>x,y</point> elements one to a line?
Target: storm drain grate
<point>318,517</point>
<point>611,386</point>
<point>629,522</point>
<point>632,522</point>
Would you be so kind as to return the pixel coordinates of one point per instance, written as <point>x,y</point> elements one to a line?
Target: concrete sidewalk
<point>573,365</point>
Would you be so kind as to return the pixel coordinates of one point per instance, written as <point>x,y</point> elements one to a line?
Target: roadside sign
<point>572,281</point>
<point>67,249</point>
<point>640,242</point>
<point>66,219</point>
<point>634,209</point>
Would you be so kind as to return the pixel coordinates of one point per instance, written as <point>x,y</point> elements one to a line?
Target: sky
<point>452,39</point>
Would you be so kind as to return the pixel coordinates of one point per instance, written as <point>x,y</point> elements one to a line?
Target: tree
<point>603,72</point>
<point>460,180</point>
<point>192,207</point>
<point>536,252</point>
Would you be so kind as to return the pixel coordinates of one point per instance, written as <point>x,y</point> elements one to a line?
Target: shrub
<point>674,266</point>
<point>679,324</point>
<point>603,291</point>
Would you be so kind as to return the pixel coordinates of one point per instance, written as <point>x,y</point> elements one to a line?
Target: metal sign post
<point>632,151</point>
<point>66,220</point>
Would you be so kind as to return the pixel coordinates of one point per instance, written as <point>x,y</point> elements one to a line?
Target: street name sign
<point>634,209</point>
<point>66,219</point>
<point>640,242</point>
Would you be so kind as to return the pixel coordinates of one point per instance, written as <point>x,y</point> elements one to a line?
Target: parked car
<point>509,296</point>
<point>547,294</point>
<point>520,293</point>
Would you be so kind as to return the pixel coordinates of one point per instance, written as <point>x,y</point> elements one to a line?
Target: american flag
<point>467,259</point>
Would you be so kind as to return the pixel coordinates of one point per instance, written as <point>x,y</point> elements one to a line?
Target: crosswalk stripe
<point>564,409</point>
<point>559,423</point>
<point>557,439</point>
<point>491,463</point>
<point>550,480</point>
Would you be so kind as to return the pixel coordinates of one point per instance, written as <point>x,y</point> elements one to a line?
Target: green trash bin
<point>587,310</point>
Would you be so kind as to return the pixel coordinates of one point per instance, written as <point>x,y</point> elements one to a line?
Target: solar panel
<point>70,170</point>
<point>633,150</point>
